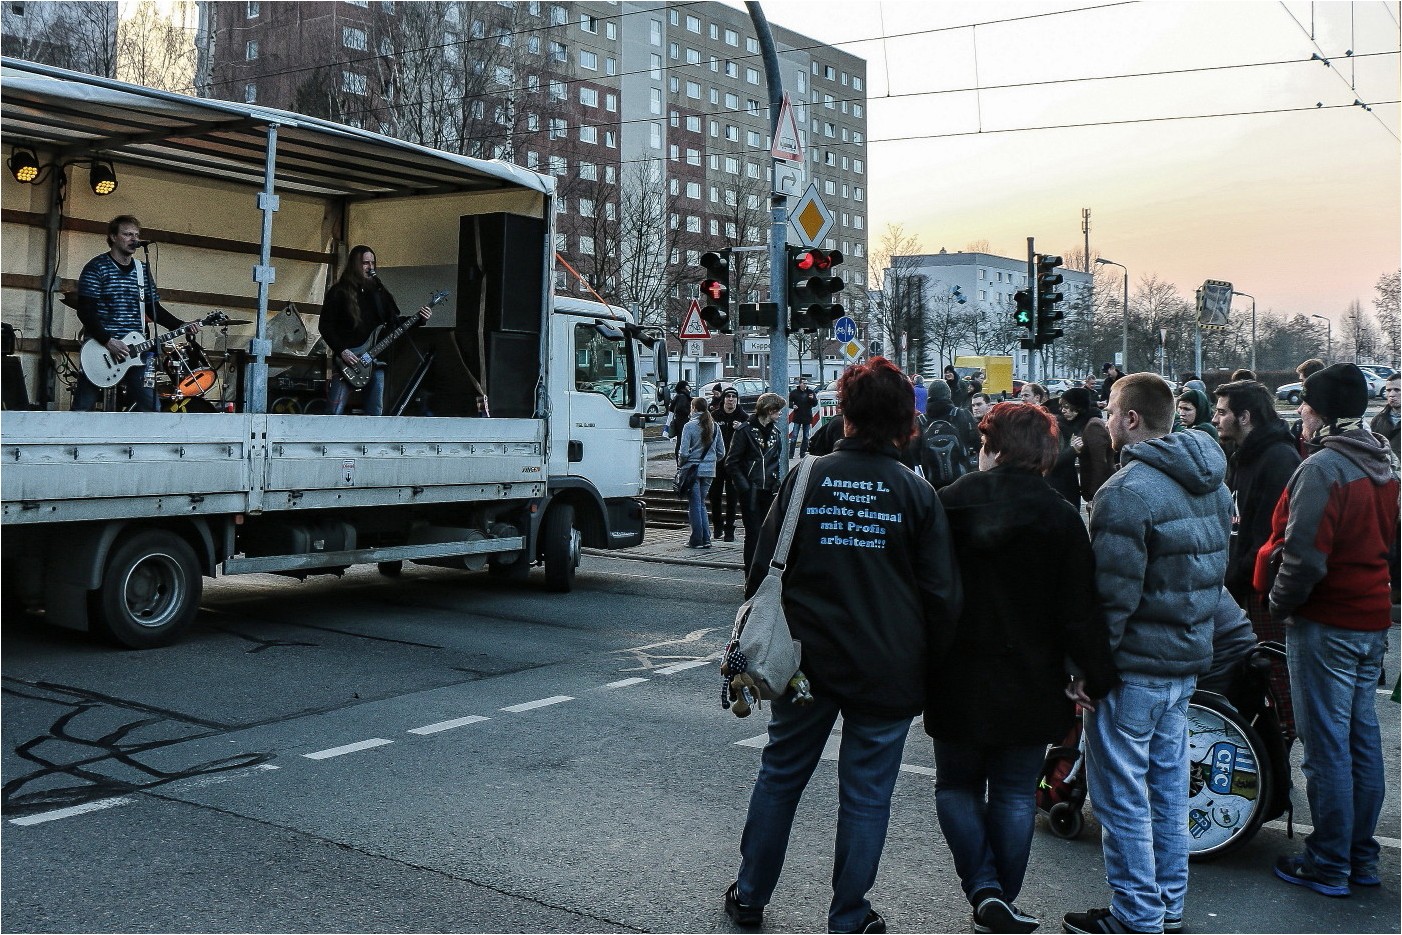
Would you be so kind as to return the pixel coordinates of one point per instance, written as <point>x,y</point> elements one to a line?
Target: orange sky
<point>1300,209</point>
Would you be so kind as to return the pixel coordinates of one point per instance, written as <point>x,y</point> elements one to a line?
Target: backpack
<point>945,458</point>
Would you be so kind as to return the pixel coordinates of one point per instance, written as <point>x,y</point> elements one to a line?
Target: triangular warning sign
<point>693,328</point>
<point>787,143</point>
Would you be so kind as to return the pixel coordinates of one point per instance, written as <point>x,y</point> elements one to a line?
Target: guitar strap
<point>147,319</point>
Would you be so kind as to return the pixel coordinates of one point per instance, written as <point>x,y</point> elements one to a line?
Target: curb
<point>659,560</point>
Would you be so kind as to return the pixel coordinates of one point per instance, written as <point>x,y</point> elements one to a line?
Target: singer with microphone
<point>113,292</point>
<point>356,306</point>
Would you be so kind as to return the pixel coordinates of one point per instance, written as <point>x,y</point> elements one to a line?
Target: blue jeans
<point>795,427</point>
<point>1333,681</point>
<point>1137,749</point>
<point>986,800</point>
<point>373,402</point>
<point>696,511</point>
<point>867,767</point>
<point>140,397</point>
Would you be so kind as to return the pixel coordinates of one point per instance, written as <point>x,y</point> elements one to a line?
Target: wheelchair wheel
<point>1231,778</point>
<point>1065,820</point>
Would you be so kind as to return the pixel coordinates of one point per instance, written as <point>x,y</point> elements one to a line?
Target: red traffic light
<point>713,289</point>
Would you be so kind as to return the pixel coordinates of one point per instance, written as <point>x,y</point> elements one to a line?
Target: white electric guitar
<point>105,370</point>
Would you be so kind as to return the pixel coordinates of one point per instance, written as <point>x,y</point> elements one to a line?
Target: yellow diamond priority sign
<point>810,218</point>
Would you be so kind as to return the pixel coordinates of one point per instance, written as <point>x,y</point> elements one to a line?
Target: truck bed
<point>72,466</point>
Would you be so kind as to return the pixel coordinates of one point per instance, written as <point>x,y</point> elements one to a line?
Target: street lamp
<point>1124,331</point>
<point>1245,295</point>
<point>1329,352</point>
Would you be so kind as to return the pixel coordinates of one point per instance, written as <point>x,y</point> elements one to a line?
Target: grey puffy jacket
<point>1160,529</point>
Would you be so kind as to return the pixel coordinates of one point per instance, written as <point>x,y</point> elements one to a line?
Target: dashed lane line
<point>541,703</point>
<point>448,725</point>
<point>624,683</point>
<point>69,812</point>
<point>689,664</point>
<point>348,748</point>
<point>830,752</point>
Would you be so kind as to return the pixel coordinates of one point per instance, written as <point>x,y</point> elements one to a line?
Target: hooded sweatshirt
<point>1160,530</point>
<point>1003,678</point>
<point>1330,536</point>
<point>1260,468</point>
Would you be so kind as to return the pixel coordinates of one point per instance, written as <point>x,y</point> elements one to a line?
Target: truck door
<point>603,447</point>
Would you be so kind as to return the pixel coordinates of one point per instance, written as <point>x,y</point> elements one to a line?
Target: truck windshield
<point>603,364</point>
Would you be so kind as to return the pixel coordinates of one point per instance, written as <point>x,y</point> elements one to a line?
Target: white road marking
<point>1279,825</point>
<point>683,666</point>
<point>624,683</point>
<point>197,782</point>
<point>759,741</point>
<point>448,725</point>
<point>922,770</point>
<point>542,703</point>
<point>348,748</point>
<point>69,812</point>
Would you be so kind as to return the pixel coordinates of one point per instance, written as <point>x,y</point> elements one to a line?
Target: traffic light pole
<point>1032,287</point>
<point>778,228</point>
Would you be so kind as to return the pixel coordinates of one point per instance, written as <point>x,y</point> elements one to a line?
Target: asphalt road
<point>444,753</point>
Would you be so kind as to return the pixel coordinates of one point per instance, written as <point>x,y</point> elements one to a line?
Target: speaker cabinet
<point>501,272</point>
<point>514,369</point>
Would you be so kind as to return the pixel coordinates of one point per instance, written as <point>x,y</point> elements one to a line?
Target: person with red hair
<point>868,514</point>
<point>997,698</point>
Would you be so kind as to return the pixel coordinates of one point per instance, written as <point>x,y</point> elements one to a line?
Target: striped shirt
<point>115,290</point>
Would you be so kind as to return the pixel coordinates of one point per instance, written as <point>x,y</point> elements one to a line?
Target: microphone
<point>144,243</point>
<point>372,274</point>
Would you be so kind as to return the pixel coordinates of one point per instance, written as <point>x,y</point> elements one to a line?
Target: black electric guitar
<point>104,370</point>
<point>358,374</point>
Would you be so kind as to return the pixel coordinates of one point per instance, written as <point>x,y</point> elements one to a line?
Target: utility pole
<point>1032,286</point>
<point>1085,229</point>
<point>778,228</point>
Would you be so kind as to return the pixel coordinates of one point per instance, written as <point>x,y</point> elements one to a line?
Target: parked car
<point>1377,383</point>
<point>1290,392</point>
<point>1387,373</point>
<point>1058,385</point>
<point>749,388</point>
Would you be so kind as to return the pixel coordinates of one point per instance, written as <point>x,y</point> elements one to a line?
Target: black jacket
<point>824,439</point>
<point>343,328</point>
<point>964,425</point>
<point>803,402</point>
<point>752,461</point>
<point>1256,476</point>
<point>1388,429</point>
<point>1002,681</point>
<point>871,589</point>
<point>681,412</point>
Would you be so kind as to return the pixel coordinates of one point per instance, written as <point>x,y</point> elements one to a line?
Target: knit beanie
<point>1339,391</point>
<point>1079,399</point>
<point>939,390</point>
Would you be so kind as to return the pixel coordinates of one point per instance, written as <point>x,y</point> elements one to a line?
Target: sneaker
<point>747,917</point>
<point>1092,920</point>
<point>872,923</point>
<point>1296,870</point>
<point>996,914</point>
<point>1173,923</point>
<point>1364,878</point>
<point>704,545</point>
<point>730,536</point>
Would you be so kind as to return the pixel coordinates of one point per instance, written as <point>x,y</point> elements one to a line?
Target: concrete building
<point>986,283</point>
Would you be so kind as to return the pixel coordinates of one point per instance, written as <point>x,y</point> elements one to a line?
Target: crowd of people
<point>1163,518</point>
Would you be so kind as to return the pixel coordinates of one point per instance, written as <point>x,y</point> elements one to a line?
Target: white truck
<point>112,519</point>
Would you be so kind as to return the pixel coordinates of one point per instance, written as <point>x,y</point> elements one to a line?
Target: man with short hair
<point>1328,551</point>
<point>1160,529</point>
<point>1304,370</point>
<point>1387,423</point>
<point>979,406</point>
<point>802,402</point>
<point>116,297</point>
<point>1262,460</point>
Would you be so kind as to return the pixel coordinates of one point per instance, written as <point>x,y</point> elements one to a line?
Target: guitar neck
<point>144,346</point>
<point>393,336</point>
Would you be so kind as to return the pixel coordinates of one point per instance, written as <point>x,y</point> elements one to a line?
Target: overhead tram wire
<point>1357,101</point>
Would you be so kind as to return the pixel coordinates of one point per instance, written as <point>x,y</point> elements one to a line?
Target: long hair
<point>708,425</point>
<point>353,280</point>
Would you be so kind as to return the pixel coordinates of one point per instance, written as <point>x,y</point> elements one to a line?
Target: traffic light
<point>813,288</point>
<point>1023,316</point>
<point>1047,298</point>
<point>715,291</point>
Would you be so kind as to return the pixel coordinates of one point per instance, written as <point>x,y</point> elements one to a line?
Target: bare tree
<point>77,36</point>
<point>899,306</point>
<point>1358,333</point>
<point>978,246</point>
<point>155,49</point>
<point>647,275</point>
<point>1385,305</point>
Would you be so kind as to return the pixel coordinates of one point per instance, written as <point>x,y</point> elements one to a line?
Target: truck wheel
<point>150,590</point>
<point>391,569</point>
<point>561,546</point>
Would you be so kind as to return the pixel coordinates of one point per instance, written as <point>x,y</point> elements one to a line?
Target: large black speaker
<point>501,272</point>
<point>514,365</point>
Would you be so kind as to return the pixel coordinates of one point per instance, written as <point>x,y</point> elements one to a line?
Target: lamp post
<point>1246,295</point>
<point>1329,351</point>
<point>1124,330</point>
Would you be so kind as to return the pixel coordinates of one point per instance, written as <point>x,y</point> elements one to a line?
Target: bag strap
<point>800,487</point>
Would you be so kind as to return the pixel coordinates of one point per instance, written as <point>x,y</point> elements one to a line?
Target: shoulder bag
<point>761,646</point>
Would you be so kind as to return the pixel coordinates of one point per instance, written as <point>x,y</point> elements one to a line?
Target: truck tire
<point>150,591</point>
<point>391,569</point>
<point>560,544</point>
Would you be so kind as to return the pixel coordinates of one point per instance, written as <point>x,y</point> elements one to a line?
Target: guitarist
<point>355,306</point>
<point>110,295</point>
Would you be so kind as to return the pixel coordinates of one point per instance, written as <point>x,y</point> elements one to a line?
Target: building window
<point>732,70</point>
<point>250,93</point>
<point>693,190</point>
<point>588,134</point>
<point>655,72</point>
<point>250,51</point>
<point>610,65</point>
<point>856,83</point>
<point>504,76</point>
<point>558,16</point>
<point>353,83</point>
<point>732,101</point>
<point>752,45</point>
<point>611,102</point>
<point>751,76</point>
<point>610,30</point>
<point>558,91</point>
<point>558,52</point>
<point>588,23</point>
<point>559,129</point>
<point>586,207</point>
<point>732,37</point>
<point>829,73</point>
<point>857,110</point>
<point>588,171</point>
<point>533,45</point>
<point>655,104</point>
<point>693,224</point>
<point>386,46</point>
<point>654,135</point>
<point>557,165</point>
<point>656,35</point>
<point>693,90</point>
<point>693,157</point>
<point>693,57</point>
<point>589,60</point>
<point>693,25</point>
<point>693,123</point>
<point>857,166</point>
<point>250,9</point>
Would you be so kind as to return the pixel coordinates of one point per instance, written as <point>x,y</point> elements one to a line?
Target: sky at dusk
<point>1300,209</point>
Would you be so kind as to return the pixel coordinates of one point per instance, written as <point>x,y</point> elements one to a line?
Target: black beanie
<point>939,389</point>
<point>1339,391</point>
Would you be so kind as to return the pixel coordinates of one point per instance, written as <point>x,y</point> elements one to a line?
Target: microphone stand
<point>151,322</point>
